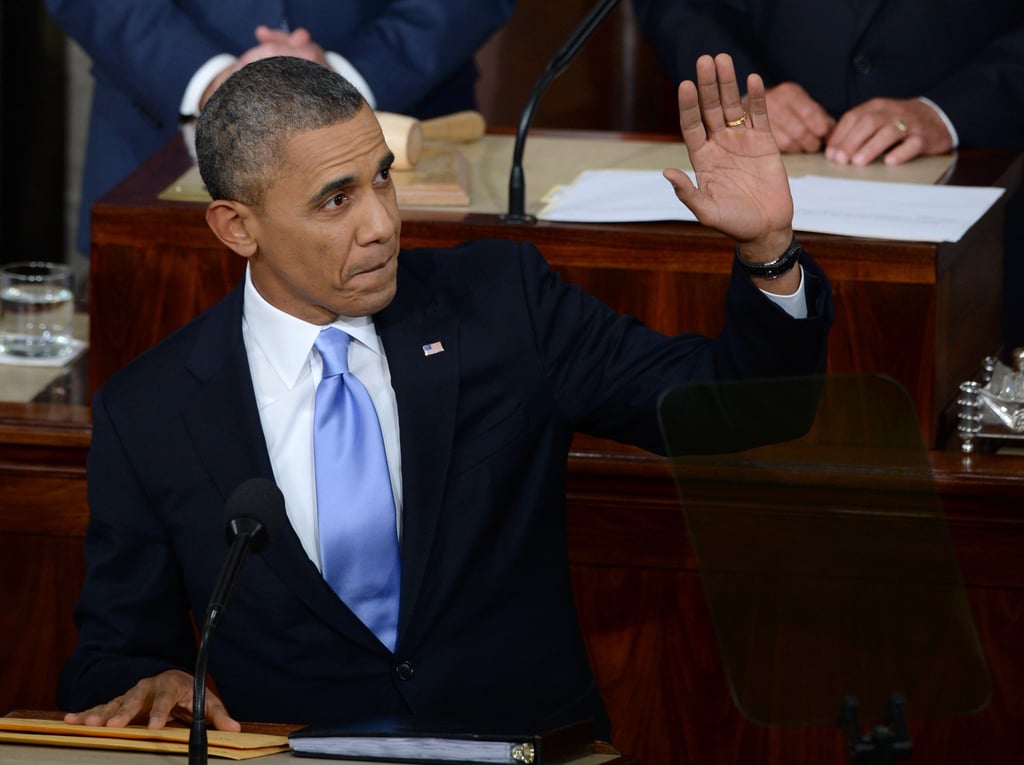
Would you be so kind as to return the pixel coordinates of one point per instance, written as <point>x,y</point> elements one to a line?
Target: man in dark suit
<point>153,60</point>
<point>870,79</point>
<point>850,75</point>
<point>481,364</point>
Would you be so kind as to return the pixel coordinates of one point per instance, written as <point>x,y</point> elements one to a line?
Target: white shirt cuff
<point>796,304</point>
<point>945,120</point>
<point>201,81</point>
<point>341,65</point>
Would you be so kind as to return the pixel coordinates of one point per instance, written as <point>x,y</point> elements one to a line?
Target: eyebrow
<point>340,184</point>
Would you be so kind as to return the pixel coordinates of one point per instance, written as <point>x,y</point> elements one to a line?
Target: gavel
<point>405,135</point>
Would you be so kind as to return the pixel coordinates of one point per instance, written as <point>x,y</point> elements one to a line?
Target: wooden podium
<point>923,314</point>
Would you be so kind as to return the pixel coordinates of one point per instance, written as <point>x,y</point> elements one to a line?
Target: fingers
<point>116,713</point>
<point>726,91</point>
<point>691,124</point>
<point>860,138</point>
<point>217,714</point>
<point>901,129</point>
<point>714,102</point>
<point>757,104</point>
<point>799,123</point>
<point>154,698</point>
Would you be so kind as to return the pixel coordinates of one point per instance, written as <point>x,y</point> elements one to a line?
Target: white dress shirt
<point>200,81</point>
<point>285,372</point>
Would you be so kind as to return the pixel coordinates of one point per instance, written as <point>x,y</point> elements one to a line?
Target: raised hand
<point>742,188</point>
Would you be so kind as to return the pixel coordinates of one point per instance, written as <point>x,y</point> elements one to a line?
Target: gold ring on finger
<point>900,125</point>
<point>736,122</point>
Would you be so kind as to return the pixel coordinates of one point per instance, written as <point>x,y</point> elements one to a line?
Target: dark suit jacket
<point>487,622</point>
<point>416,55</point>
<point>965,55</point>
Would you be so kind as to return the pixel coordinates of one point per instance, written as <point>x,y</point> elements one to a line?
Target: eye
<point>384,175</point>
<point>336,201</point>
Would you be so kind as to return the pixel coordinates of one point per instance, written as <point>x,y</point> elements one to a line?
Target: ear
<point>229,221</point>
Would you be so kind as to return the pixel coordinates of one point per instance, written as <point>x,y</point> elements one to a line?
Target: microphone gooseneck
<point>566,53</point>
<point>251,514</point>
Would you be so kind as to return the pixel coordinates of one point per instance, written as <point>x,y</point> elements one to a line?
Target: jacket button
<point>861,64</point>
<point>405,670</point>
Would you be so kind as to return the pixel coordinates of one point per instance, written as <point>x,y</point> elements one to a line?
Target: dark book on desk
<point>408,739</point>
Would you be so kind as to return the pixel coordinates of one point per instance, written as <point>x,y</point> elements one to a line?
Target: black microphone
<point>251,514</point>
<point>517,181</point>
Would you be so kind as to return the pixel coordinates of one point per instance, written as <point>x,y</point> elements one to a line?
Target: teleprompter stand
<point>882,744</point>
<point>825,557</point>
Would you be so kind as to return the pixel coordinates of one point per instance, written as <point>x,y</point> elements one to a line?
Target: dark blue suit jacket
<point>416,55</point>
<point>487,625</point>
<point>965,55</point>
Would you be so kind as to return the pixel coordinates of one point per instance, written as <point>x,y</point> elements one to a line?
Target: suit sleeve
<point>149,49</point>
<point>412,46</point>
<point>608,371</point>
<point>985,99</point>
<point>132,617</point>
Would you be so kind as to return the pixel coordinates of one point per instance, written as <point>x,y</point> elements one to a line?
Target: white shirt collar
<point>286,341</point>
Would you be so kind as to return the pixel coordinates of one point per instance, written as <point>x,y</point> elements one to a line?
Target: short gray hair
<point>245,123</point>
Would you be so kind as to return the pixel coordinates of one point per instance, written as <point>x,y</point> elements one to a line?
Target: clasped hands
<point>896,129</point>
<point>271,42</point>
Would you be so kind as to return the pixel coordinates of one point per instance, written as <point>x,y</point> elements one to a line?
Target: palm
<point>742,189</point>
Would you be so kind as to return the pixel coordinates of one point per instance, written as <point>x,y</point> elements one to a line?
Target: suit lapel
<point>425,381</point>
<point>865,12</point>
<point>224,424</point>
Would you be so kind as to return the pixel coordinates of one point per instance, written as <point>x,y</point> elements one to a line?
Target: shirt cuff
<point>341,65</point>
<point>945,120</point>
<point>796,304</point>
<point>201,81</point>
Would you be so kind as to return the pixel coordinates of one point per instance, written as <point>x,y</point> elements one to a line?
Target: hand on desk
<point>161,697</point>
<point>901,129</point>
<point>742,189</point>
<point>799,123</point>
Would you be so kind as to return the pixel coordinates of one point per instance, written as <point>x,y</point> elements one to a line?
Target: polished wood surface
<point>922,313</point>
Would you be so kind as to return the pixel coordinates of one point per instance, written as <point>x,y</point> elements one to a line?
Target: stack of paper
<point>874,209</point>
<point>232,746</point>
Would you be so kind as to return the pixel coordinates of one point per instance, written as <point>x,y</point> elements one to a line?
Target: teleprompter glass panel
<point>823,550</point>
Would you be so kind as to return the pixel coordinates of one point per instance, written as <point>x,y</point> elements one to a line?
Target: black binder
<point>414,740</point>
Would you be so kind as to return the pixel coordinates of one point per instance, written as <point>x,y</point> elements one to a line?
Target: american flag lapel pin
<point>433,348</point>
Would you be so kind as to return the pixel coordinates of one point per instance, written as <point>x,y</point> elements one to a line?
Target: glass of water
<point>36,306</point>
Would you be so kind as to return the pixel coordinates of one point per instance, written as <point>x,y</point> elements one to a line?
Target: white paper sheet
<point>905,211</point>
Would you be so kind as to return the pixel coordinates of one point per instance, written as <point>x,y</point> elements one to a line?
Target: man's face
<point>327,232</point>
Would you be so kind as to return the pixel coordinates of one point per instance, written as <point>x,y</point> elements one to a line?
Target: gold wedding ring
<point>741,120</point>
<point>900,125</point>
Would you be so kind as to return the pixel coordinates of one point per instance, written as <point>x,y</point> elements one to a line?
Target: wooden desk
<point>639,596</point>
<point>925,314</point>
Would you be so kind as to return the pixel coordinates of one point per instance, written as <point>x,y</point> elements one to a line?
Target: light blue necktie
<point>355,504</point>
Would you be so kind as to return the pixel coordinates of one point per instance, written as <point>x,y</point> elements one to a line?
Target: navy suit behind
<point>416,56</point>
<point>965,55</point>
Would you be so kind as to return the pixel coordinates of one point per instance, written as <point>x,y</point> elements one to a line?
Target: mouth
<point>375,268</point>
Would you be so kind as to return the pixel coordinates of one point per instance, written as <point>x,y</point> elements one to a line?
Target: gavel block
<point>405,135</point>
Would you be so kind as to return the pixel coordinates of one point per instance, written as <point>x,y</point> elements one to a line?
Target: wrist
<point>774,268</point>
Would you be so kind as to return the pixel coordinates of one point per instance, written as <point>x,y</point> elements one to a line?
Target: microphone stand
<point>517,180</point>
<point>244,532</point>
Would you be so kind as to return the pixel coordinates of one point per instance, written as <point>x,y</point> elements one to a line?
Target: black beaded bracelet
<point>773,269</point>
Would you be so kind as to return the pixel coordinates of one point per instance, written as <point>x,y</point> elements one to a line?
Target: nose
<point>378,213</point>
